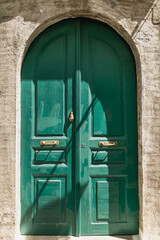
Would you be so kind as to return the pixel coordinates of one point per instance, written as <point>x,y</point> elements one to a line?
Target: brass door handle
<point>49,143</point>
<point>108,144</point>
<point>71,117</point>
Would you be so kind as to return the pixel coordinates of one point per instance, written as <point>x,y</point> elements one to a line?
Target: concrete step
<point>124,237</point>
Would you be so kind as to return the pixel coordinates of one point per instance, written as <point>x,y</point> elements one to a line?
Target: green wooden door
<point>79,187</point>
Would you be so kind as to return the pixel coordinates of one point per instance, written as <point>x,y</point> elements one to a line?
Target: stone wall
<point>137,22</point>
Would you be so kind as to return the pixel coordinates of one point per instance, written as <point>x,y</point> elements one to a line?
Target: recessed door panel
<point>108,157</point>
<point>106,76</point>
<point>79,132</point>
<point>50,156</point>
<point>50,195</point>
<point>50,88</point>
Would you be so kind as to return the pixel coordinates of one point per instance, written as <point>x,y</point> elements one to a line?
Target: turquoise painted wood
<point>48,76</point>
<point>78,188</point>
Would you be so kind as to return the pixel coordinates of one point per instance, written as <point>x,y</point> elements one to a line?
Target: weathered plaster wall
<point>138,22</point>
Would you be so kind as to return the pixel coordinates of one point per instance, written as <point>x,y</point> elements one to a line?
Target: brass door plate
<point>108,144</point>
<point>49,143</point>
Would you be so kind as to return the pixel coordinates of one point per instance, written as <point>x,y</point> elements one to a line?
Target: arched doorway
<point>79,132</point>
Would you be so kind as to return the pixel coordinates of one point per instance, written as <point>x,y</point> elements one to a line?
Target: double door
<point>79,133</point>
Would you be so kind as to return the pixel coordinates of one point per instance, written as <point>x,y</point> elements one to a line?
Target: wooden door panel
<point>50,195</point>
<point>50,156</point>
<point>47,177</point>
<point>109,115</point>
<point>106,86</point>
<point>50,88</point>
<point>108,157</point>
<point>108,194</point>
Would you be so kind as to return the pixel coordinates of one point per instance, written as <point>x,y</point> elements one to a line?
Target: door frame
<point>36,32</point>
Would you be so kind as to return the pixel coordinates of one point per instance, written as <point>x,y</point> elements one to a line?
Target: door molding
<point>35,33</point>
